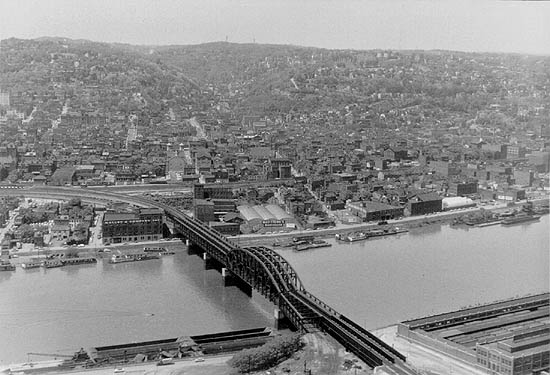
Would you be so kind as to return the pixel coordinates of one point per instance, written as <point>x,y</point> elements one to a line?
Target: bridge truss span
<point>260,267</point>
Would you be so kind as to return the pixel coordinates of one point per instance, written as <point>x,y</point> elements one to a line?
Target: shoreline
<point>411,222</point>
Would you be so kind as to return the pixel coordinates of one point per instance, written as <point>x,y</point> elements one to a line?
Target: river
<point>376,283</point>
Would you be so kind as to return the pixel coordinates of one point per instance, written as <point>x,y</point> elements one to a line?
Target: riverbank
<point>321,354</point>
<point>411,222</point>
<point>423,358</point>
<point>26,253</point>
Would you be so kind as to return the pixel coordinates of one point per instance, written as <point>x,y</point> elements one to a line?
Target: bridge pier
<point>193,249</point>
<point>230,279</point>
<point>280,321</point>
<point>209,262</point>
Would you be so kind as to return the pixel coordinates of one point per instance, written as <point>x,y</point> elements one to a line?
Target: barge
<point>365,235</point>
<point>6,266</point>
<point>52,263</point>
<point>124,258</point>
<point>33,263</point>
<point>75,261</point>
<point>312,245</point>
<point>158,250</point>
<point>521,218</point>
<point>489,223</point>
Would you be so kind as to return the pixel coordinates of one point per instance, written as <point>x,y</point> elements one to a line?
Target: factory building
<point>461,189</point>
<point>509,337</point>
<point>144,225</point>
<point>524,353</point>
<point>423,204</point>
<point>455,203</point>
<point>374,211</point>
<point>269,216</point>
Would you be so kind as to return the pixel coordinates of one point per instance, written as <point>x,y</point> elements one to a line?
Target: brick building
<point>422,204</point>
<point>461,189</point>
<point>524,353</point>
<point>144,225</point>
<point>203,210</point>
<point>373,211</point>
<point>202,191</point>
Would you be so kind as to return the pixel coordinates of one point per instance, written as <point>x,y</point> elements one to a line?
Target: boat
<point>312,245</point>
<point>52,263</point>
<point>541,210</point>
<point>138,257</point>
<point>489,223</point>
<point>33,263</point>
<point>507,213</point>
<point>6,265</point>
<point>75,261</point>
<point>120,258</point>
<point>302,239</point>
<point>520,219</point>
<point>123,258</point>
<point>388,232</point>
<point>158,250</point>
<point>352,237</point>
<point>361,236</point>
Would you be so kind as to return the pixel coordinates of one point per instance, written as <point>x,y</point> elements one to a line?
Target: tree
<point>4,173</point>
<point>75,202</point>
<point>267,355</point>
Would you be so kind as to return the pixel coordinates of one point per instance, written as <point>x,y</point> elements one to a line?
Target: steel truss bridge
<point>260,267</point>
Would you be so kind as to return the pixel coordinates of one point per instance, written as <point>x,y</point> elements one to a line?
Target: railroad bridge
<point>273,277</point>
<point>261,269</point>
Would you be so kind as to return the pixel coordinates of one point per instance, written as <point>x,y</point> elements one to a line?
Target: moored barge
<point>33,263</point>
<point>312,245</point>
<point>521,218</point>
<point>158,250</point>
<point>124,258</point>
<point>365,235</point>
<point>6,266</point>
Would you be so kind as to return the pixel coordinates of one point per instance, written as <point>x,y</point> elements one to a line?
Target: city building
<point>461,189</point>
<point>143,225</point>
<point>422,204</point>
<point>4,99</point>
<point>515,152</point>
<point>202,191</point>
<point>203,210</point>
<point>503,338</point>
<point>374,211</point>
<point>526,352</point>
<point>523,177</point>
<point>268,218</point>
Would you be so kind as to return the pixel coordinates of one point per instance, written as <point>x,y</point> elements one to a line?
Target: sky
<point>462,25</point>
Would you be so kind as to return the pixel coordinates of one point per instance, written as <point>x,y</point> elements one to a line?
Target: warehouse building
<point>374,211</point>
<point>143,225</point>
<point>503,338</point>
<point>422,204</point>
<point>526,352</point>
<point>455,203</point>
<point>270,216</point>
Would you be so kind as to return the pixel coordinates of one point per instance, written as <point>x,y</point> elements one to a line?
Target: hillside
<point>273,80</point>
<point>114,78</point>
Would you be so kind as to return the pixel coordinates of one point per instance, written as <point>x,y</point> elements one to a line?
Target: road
<point>210,365</point>
<point>200,129</point>
<point>9,224</point>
